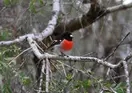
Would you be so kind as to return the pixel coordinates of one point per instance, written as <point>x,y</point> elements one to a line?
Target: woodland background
<point>98,39</point>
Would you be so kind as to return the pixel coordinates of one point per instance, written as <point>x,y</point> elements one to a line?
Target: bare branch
<point>127,76</point>
<point>17,40</point>
<point>128,57</point>
<point>41,77</point>
<point>47,76</point>
<point>45,33</point>
<point>119,7</point>
<point>79,58</point>
<point>117,46</point>
<point>95,13</point>
<point>70,58</point>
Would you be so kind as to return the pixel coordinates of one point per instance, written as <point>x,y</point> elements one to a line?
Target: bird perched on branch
<point>60,46</point>
<point>62,43</point>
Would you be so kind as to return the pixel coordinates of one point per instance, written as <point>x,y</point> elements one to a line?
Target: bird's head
<point>67,36</point>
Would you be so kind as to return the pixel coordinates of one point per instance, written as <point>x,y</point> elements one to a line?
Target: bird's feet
<point>63,54</point>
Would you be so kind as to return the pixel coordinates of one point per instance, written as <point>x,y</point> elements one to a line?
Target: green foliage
<point>41,2</point>
<point>69,77</point>
<point>10,2</point>
<point>97,84</point>
<point>33,5</point>
<point>6,2</point>
<point>6,55</point>
<point>87,83</point>
<point>6,88</point>
<point>5,34</point>
<point>25,79</point>
<point>6,74</point>
<point>120,87</point>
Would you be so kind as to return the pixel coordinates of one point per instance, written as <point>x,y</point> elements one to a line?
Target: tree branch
<point>41,77</point>
<point>95,13</point>
<point>118,8</point>
<point>127,76</point>
<point>69,58</point>
<point>47,76</point>
<point>45,33</point>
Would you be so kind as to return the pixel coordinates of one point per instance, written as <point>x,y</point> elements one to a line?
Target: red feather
<point>66,45</point>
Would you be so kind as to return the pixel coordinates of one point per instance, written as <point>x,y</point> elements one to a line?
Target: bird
<point>62,44</point>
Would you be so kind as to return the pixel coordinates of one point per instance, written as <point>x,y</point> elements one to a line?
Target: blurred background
<point>18,71</point>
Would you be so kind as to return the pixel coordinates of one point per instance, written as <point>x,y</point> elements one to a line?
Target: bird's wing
<point>55,42</point>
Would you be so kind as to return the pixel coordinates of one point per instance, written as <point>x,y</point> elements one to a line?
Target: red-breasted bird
<point>62,44</point>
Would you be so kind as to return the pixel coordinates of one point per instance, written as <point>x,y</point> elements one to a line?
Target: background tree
<point>101,35</point>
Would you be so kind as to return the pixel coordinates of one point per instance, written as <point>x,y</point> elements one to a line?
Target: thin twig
<point>70,58</point>
<point>19,55</point>
<point>128,57</point>
<point>45,33</point>
<point>41,77</point>
<point>127,76</point>
<point>116,47</point>
<point>47,75</point>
